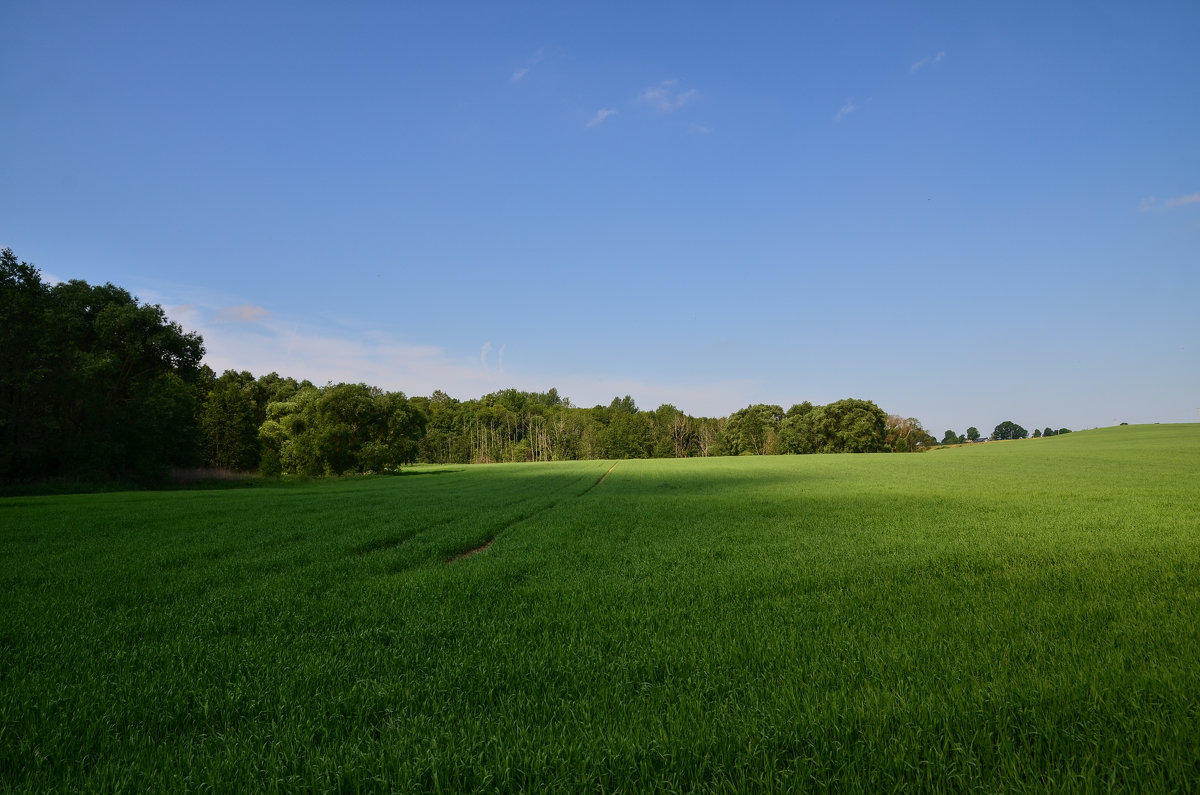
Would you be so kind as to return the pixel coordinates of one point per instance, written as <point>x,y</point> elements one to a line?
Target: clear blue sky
<point>965,212</point>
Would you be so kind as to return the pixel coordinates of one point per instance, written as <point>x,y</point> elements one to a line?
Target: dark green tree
<point>341,428</point>
<point>445,440</point>
<point>624,404</point>
<point>797,432</point>
<point>850,426</point>
<point>972,434</point>
<point>674,433</point>
<point>754,430</point>
<point>92,382</point>
<point>1009,430</point>
<point>28,365</point>
<point>273,388</point>
<point>115,349</point>
<point>400,425</point>
<point>229,426</point>
<point>629,433</point>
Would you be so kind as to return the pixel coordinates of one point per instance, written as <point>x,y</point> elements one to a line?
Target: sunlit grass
<point>1005,616</point>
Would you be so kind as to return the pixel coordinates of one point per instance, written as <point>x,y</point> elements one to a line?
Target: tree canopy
<point>91,380</point>
<point>94,383</point>
<point>1009,430</point>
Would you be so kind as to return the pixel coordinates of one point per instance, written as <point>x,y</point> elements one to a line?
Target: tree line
<point>1004,431</point>
<point>94,384</point>
<point>280,425</point>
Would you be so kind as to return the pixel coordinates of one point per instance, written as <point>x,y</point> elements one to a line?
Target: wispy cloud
<point>324,354</point>
<point>600,116</point>
<point>243,313</point>
<point>699,129</point>
<point>1179,201</point>
<point>845,110</point>
<point>333,353</point>
<point>534,60</point>
<point>1152,203</point>
<point>666,97</point>
<point>927,61</point>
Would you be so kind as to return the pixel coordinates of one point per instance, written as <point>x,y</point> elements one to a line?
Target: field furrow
<point>1006,617</point>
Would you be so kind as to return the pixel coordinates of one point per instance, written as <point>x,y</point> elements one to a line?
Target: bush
<point>269,466</point>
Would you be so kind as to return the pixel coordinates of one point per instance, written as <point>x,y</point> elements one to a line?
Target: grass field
<point>1019,616</point>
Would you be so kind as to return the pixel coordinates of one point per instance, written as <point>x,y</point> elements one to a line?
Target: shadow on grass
<point>408,473</point>
<point>194,480</point>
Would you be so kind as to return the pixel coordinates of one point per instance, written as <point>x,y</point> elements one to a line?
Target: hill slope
<point>1013,615</point>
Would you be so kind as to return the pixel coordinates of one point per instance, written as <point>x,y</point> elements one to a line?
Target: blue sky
<point>965,212</point>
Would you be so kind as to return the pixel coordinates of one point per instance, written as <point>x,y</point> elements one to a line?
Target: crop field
<point>1020,616</point>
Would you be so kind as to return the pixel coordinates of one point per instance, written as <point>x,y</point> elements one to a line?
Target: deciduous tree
<point>754,430</point>
<point>906,435</point>
<point>850,426</point>
<point>93,383</point>
<point>1009,430</point>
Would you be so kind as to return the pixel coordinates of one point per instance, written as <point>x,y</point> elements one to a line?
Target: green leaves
<point>342,428</point>
<point>1009,430</point>
<point>754,430</point>
<point>92,382</point>
<point>845,426</point>
<point>228,427</point>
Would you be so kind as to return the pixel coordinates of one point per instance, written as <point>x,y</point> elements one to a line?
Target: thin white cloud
<point>665,97</point>
<point>523,72</point>
<point>699,129</point>
<point>1179,201</point>
<point>243,313</point>
<point>845,110</point>
<point>323,355</point>
<point>928,60</point>
<point>332,354</point>
<point>1152,203</point>
<point>600,116</point>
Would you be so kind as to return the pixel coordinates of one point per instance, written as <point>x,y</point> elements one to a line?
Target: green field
<point>1017,616</point>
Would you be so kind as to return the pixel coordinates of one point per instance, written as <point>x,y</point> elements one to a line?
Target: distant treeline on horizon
<point>95,385</point>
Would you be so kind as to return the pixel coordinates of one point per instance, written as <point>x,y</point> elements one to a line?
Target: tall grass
<point>1016,616</point>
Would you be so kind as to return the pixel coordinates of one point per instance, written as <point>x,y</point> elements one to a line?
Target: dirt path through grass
<point>485,545</point>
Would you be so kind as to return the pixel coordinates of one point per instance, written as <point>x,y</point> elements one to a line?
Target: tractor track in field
<point>474,551</point>
<point>526,517</point>
<point>601,480</point>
